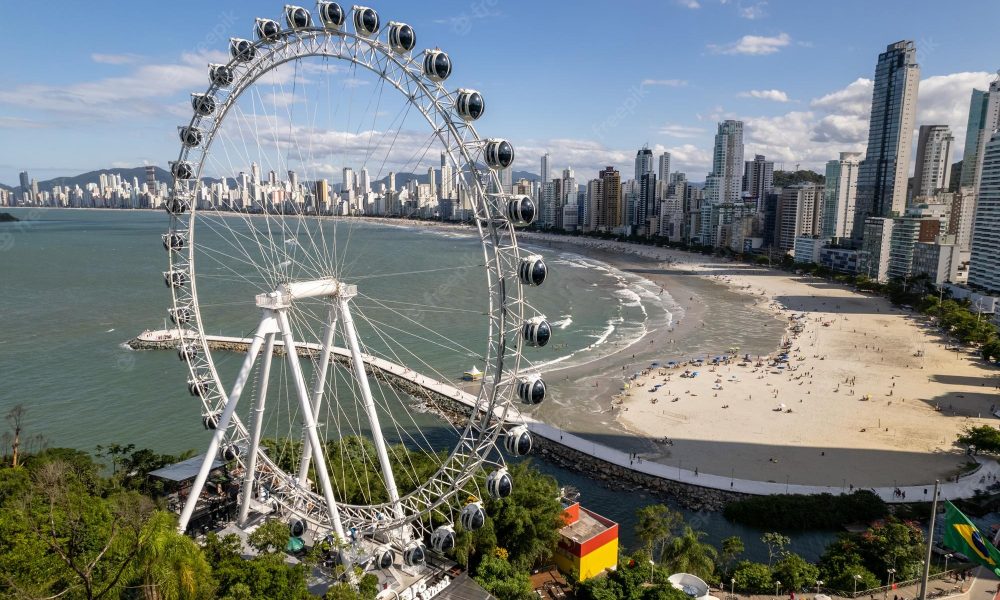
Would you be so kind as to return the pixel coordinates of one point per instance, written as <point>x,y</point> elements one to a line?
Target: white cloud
<point>839,121</point>
<point>753,45</point>
<point>753,11</point>
<point>773,95</point>
<point>682,131</point>
<point>692,4</point>
<point>141,92</point>
<point>665,82</point>
<point>115,59</point>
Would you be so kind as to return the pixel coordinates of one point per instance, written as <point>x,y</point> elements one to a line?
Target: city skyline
<point>65,111</point>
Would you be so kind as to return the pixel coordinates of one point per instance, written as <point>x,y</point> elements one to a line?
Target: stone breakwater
<point>448,406</point>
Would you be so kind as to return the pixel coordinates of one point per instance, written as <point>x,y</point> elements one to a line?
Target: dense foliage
<point>67,531</point>
<point>798,512</point>
<point>784,179</point>
<point>981,438</point>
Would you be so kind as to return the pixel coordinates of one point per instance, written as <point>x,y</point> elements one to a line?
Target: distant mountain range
<point>163,175</point>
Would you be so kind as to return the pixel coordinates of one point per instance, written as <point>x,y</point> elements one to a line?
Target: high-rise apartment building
<point>545,168</point>
<point>725,183</point>
<point>663,172</point>
<point>643,162</point>
<point>883,175</point>
<point>984,264</point>
<point>758,177</point>
<point>933,166</point>
<point>839,195</point>
<point>609,207</point>
<point>975,135</point>
<point>798,214</point>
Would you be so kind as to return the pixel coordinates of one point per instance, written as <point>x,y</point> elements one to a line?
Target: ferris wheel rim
<point>488,227</point>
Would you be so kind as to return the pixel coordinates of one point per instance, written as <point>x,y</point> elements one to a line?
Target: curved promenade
<point>965,487</point>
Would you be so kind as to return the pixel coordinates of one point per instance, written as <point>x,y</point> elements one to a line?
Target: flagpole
<point>930,543</point>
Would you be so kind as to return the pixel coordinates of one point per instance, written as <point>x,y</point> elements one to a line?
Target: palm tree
<point>170,566</point>
<point>686,553</point>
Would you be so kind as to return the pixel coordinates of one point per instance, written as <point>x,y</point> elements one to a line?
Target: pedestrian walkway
<point>966,486</point>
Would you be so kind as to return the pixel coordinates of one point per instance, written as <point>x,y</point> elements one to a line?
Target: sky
<point>102,85</point>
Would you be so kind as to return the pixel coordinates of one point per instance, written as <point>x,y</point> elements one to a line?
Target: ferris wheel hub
<point>286,293</point>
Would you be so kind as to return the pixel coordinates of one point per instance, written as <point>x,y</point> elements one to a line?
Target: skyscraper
<point>347,180</point>
<point>610,202</point>
<point>882,176</point>
<point>663,172</point>
<point>839,195</point>
<point>991,123</point>
<point>725,182</point>
<point>758,177</point>
<point>984,265</point>
<point>507,179</point>
<point>545,168</point>
<point>975,132</point>
<point>933,167</point>
<point>25,186</point>
<point>643,162</point>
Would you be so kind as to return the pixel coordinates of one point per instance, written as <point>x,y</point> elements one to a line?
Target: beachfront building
<point>797,214</point>
<point>839,259</point>
<point>923,223</point>
<point>608,207</point>
<point>883,175</point>
<point>941,260</point>
<point>933,167</point>
<point>873,261</point>
<point>807,249</point>
<point>984,264</point>
<point>588,543</point>
<point>839,194</point>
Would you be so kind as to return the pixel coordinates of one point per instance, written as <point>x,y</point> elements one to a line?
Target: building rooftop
<point>584,528</point>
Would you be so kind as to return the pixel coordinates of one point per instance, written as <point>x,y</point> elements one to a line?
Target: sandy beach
<point>869,395</point>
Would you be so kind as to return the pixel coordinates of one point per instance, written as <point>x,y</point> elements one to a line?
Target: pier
<point>692,488</point>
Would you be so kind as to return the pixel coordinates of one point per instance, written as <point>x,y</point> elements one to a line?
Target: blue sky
<point>92,85</point>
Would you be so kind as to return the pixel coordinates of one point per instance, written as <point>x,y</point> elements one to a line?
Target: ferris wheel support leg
<point>317,395</point>
<point>267,325</point>
<point>366,392</point>
<point>310,427</point>
<point>258,421</point>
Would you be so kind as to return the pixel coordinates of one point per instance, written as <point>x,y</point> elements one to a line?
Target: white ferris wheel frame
<point>465,151</point>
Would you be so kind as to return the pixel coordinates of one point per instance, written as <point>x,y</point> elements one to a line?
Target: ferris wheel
<point>312,349</point>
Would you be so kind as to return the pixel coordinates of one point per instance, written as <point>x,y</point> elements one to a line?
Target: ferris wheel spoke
<point>343,433</point>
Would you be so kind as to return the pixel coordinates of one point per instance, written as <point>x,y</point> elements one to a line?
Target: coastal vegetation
<point>70,530</point>
<point>794,512</point>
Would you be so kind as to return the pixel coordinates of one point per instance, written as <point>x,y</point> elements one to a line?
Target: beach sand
<point>870,395</point>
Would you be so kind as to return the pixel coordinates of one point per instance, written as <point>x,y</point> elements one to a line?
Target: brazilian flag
<point>962,536</point>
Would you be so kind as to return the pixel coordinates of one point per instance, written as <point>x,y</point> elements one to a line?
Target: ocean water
<point>76,284</point>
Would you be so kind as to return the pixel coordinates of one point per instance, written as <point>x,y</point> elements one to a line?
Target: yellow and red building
<point>588,544</point>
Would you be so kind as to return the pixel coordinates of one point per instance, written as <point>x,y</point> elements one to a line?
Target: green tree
<point>527,522</point>
<point>752,578</point>
<point>264,576</point>
<point>654,526</point>
<point>991,350</point>
<point>502,579</point>
<point>60,539</point>
<point>732,548</point>
<point>686,553</point>
<point>981,438</point>
<point>795,573</point>
<point>776,544</point>
<point>270,537</point>
<point>171,565</point>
